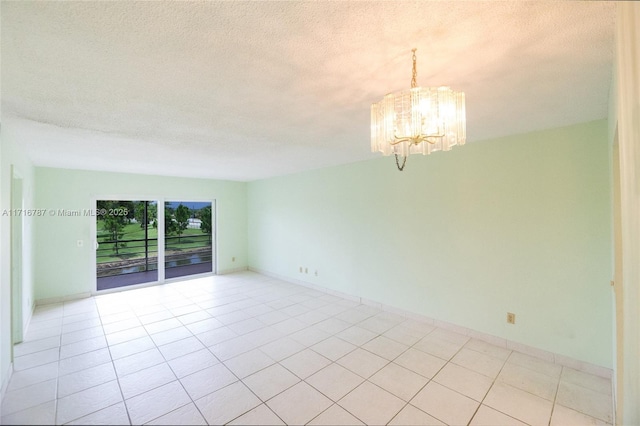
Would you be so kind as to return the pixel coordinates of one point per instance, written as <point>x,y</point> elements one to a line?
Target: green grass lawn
<point>190,239</point>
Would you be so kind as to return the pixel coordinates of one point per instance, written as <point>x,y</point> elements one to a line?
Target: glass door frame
<point>161,238</point>
<point>214,236</point>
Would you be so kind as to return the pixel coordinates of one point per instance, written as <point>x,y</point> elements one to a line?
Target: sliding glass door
<point>188,238</point>
<point>128,239</point>
<point>127,242</point>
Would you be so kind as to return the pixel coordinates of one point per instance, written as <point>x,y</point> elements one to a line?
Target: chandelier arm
<point>415,140</point>
<point>401,168</point>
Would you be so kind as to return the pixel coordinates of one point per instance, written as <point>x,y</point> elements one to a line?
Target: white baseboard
<point>494,340</point>
<point>50,300</point>
<point>232,270</point>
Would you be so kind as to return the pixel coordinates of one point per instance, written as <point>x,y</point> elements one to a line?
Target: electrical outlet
<point>301,269</point>
<point>511,318</point>
<point>306,270</point>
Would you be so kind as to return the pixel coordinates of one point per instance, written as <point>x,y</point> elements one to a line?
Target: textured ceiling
<point>248,90</point>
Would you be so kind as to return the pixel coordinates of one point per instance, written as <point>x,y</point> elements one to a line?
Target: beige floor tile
<point>248,363</point>
<point>420,362</point>
<point>450,336</point>
<point>232,347</point>
<point>334,381</point>
<point>190,363</point>
<point>584,400</point>
<point>83,361</point>
<point>445,404</point>
<point>214,337</point>
<point>42,414</point>
<point>185,415</point>
<point>399,381</point>
<point>517,403</point>
<point>464,381</point>
<point>333,348</point>
<point>131,347</point>
<point>87,333</point>
<point>85,402</point>
<point>363,363</point>
<point>335,416</point>
<point>169,336</point>
<point>113,415</point>
<point>412,416</point>
<point>264,335</point>
<point>305,363</point>
<point>438,346</point>
<point>207,381</point>
<point>476,361</point>
<point>157,402</point>
<point>144,380</point>
<point>270,381</point>
<point>586,380</point>
<point>487,416</point>
<point>282,348</point>
<point>260,416</point>
<point>310,336</point>
<point>36,359</point>
<point>528,380</point>
<point>299,404</point>
<point>356,335</point>
<point>31,376</point>
<point>371,404</point>
<point>26,348</point>
<point>488,349</point>
<point>180,348</point>
<point>84,379</point>
<point>159,326</point>
<point>404,335</point>
<point>535,364</point>
<point>28,397</point>
<point>563,416</point>
<point>385,347</point>
<point>82,347</point>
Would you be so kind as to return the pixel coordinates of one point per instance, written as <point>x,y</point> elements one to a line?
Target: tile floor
<point>248,349</point>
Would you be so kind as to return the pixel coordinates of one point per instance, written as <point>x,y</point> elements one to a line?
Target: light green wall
<point>519,224</point>
<point>64,269</point>
<point>12,157</point>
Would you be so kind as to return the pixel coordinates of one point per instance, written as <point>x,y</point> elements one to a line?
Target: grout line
<point>555,395</point>
<point>113,365</point>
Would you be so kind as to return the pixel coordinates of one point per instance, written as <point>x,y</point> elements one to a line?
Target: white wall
<point>519,224</point>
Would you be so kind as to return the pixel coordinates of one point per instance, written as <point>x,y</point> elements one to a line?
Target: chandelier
<point>420,120</point>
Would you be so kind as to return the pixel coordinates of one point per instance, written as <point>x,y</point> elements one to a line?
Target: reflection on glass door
<point>188,228</point>
<point>127,243</point>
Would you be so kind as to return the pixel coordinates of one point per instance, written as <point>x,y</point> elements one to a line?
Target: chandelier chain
<point>415,72</point>
<point>404,161</point>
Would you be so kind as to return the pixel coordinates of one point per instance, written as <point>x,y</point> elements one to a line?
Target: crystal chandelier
<point>420,120</point>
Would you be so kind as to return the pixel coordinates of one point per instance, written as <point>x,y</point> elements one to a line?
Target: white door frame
<point>17,251</point>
